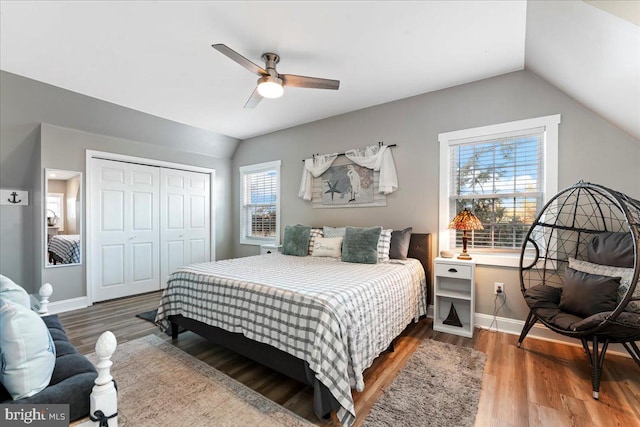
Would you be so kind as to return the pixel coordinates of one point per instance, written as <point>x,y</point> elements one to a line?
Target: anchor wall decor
<point>14,197</point>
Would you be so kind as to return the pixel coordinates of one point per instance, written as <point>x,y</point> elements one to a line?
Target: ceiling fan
<point>271,84</point>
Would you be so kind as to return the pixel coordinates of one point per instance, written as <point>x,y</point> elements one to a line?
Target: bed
<point>318,320</point>
<point>64,249</point>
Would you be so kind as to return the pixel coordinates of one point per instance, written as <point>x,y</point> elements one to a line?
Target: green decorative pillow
<point>296,240</point>
<point>360,245</point>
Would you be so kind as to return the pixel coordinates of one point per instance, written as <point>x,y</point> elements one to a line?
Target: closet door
<point>125,223</point>
<point>185,232</point>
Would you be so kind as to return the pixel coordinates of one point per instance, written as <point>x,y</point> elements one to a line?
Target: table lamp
<point>465,221</point>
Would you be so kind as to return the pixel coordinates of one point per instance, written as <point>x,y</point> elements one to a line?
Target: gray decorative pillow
<point>296,240</point>
<point>625,274</point>
<point>334,231</point>
<point>614,249</point>
<point>586,294</point>
<point>400,243</point>
<point>360,245</point>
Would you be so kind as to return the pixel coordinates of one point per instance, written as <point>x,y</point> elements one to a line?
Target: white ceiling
<point>156,57</point>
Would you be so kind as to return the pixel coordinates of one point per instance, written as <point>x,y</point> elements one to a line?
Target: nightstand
<point>454,292</point>
<point>269,249</point>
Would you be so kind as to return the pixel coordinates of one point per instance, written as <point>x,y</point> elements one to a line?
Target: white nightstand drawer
<point>270,249</point>
<point>453,270</point>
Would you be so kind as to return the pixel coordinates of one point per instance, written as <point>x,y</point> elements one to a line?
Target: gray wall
<point>66,149</point>
<point>24,105</point>
<point>590,148</point>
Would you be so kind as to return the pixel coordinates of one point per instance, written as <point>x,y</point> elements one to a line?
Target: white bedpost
<point>45,292</point>
<point>104,397</point>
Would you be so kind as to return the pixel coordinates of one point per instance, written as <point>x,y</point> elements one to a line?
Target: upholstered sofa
<point>73,375</point>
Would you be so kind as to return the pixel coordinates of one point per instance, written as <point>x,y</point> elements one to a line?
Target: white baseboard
<point>539,331</point>
<point>57,307</point>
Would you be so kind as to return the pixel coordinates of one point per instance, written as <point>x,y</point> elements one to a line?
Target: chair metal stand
<point>596,360</point>
<point>528,324</point>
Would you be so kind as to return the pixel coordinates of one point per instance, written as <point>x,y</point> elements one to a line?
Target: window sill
<point>510,260</point>
<point>258,242</point>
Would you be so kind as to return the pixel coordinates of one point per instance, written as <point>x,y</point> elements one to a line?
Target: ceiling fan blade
<point>309,82</point>
<point>232,54</point>
<point>254,99</point>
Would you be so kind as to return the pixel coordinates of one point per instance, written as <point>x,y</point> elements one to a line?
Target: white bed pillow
<point>626,274</point>
<point>328,247</point>
<point>13,292</point>
<point>315,233</point>
<point>384,245</point>
<point>27,352</point>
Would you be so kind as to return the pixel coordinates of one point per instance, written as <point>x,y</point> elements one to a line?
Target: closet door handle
<point>453,270</point>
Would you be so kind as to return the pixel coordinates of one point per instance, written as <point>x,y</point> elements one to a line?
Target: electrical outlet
<point>498,288</point>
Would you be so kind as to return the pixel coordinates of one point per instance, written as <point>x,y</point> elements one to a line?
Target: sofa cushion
<point>27,351</point>
<point>72,379</point>
<point>13,292</point>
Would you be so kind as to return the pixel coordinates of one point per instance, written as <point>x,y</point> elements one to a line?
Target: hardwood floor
<point>541,384</point>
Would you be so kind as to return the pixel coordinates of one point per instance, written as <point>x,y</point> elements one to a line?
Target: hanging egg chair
<point>579,270</point>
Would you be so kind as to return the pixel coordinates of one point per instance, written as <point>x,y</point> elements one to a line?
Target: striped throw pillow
<point>315,232</point>
<point>384,245</point>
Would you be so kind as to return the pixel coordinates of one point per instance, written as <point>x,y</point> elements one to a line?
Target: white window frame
<point>61,208</point>
<point>256,168</point>
<point>449,139</point>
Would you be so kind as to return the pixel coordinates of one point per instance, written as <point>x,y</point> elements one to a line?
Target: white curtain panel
<point>378,158</point>
<point>313,168</point>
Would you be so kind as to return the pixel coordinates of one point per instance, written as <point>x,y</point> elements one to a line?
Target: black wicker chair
<point>586,226</point>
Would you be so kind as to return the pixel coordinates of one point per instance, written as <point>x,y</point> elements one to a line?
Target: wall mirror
<point>62,218</point>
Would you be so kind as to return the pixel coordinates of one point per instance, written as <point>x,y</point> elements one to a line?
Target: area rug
<point>439,386</point>
<point>160,385</point>
<point>150,316</point>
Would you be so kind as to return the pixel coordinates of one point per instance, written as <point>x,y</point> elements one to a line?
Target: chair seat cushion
<point>625,319</point>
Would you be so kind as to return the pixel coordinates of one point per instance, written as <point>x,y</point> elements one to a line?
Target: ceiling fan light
<point>270,87</point>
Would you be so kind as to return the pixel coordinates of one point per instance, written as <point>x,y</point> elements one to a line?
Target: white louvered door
<point>125,223</point>
<point>185,220</point>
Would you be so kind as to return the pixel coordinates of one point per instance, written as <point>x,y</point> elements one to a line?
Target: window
<point>260,203</point>
<point>55,210</point>
<point>504,174</point>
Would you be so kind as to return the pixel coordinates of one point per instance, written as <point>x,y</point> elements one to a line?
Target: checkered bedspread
<point>336,316</point>
<point>67,247</point>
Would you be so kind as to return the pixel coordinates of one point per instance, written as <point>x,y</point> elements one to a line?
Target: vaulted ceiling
<point>156,57</point>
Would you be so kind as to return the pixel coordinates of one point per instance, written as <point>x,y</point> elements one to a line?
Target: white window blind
<point>259,203</point>
<point>500,178</point>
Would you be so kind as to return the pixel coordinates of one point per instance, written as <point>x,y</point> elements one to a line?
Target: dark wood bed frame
<point>323,401</point>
